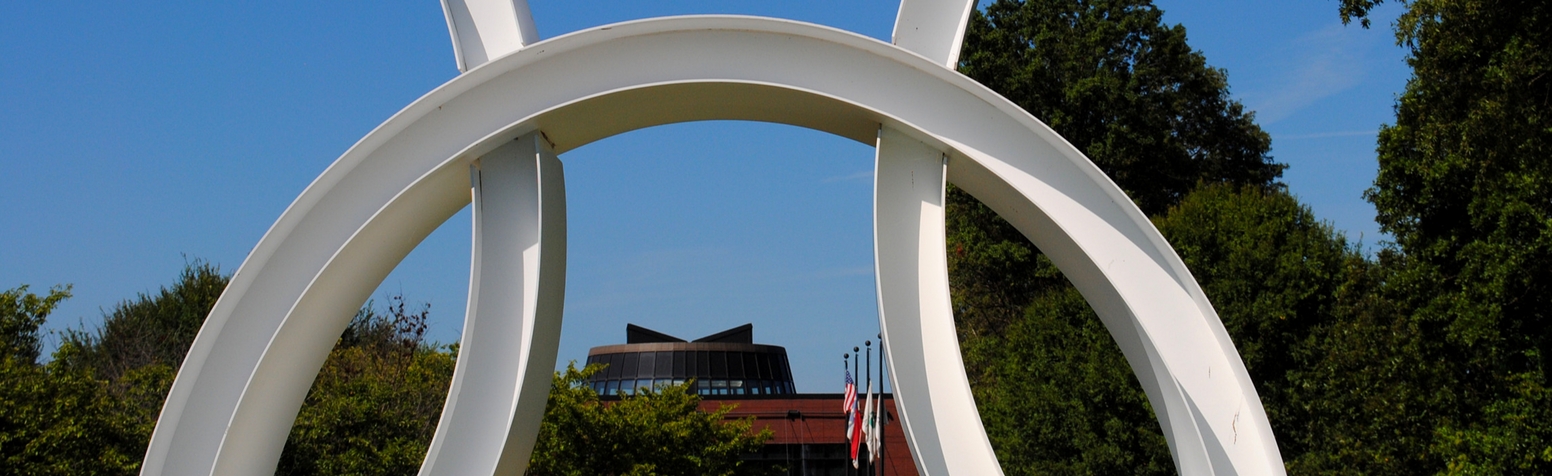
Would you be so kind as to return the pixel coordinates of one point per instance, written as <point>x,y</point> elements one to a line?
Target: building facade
<point>725,363</point>
<point>809,435</point>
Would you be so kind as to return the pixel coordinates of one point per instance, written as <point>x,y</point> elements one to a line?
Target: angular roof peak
<point>635,334</point>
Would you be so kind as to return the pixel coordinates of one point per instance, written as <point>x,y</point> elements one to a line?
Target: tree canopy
<point>372,409</point>
<point>55,419</point>
<point>1428,356</point>
<point>1465,187</point>
<point>1125,89</point>
<point>375,404</point>
<point>651,432</point>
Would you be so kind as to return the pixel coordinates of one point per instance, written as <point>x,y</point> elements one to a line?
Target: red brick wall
<point>818,420</point>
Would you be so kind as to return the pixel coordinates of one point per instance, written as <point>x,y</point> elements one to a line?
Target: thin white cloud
<point>1324,135</point>
<point>866,175</point>
<point>1322,63</point>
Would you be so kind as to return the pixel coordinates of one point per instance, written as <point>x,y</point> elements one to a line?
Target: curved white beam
<point>933,28</point>
<point>937,410</point>
<point>919,336</point>
<point>1137,328</point>
<point>511,332</point>
<point>483,30</point>
<point>233,402</point>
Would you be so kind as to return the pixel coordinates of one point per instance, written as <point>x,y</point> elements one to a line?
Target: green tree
<point>140,343</point>
<point>154,328</point>
<point>375,404</point>
<point>661,431</point>
<point>55,419</point>
<point>1128,92</point>
<point>91,410</point>
<point>1057,396</point>
<point>21,315</point>
<point>1269,266</point>
<point>1125,89</point>
<point>1465,187</point>
<point>1366,398</point>
<point>1333,367</point>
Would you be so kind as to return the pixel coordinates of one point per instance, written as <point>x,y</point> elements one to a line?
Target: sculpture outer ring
<point>230,409</point>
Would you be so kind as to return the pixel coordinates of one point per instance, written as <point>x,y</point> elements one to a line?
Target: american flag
<point>850,403</point>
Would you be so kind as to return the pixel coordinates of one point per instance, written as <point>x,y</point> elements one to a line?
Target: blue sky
<point>135,137</point>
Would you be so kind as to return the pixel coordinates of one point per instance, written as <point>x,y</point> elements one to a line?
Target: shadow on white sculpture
<point>492,136</point>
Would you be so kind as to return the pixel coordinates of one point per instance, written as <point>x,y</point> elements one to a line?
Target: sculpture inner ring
<point>233,402</point>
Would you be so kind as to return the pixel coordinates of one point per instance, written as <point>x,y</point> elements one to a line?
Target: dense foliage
<point>1465,186</point>
<point>1427,357</point>
<point>1286,287</point>
<point>1122,87</point>
<point>70,416</point>
<point>152,330</point>
<point>1053,389</point>
<point>372,409</point>
<point>650,433</point>
<point>376,402</point>
<point>91,408</point>
<point>53,420</point>
<point>1056,394</point>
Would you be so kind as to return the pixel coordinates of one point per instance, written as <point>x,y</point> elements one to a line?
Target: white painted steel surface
<point>511,331</point>
<point>488,29</point>
<point>933,28</point>
<point>233,402</point>
<point>916,317</point>
<point>915,314</point>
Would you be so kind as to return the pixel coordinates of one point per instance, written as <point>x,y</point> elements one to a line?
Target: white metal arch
<point>246,375</point>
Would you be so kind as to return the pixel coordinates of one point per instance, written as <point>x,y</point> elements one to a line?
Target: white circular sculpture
<point>521,102</point>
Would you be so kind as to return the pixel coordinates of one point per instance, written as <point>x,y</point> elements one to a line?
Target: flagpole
<point>855,370</point>
<point>868,464</point>
<point>846,366</point>
<point>884,414</point>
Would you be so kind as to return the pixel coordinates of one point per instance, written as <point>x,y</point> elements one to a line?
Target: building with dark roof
<point>725,363</point>
<point>728,368</point>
